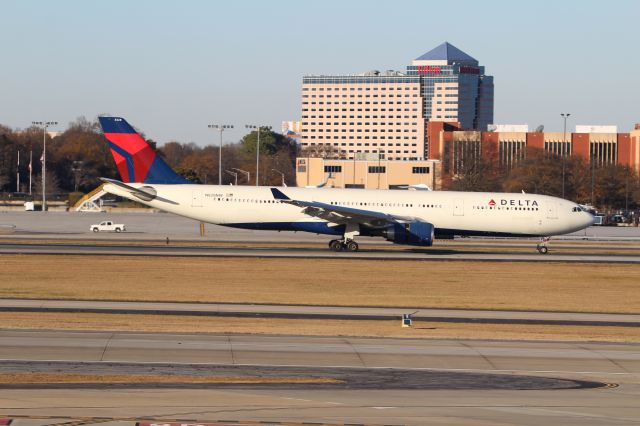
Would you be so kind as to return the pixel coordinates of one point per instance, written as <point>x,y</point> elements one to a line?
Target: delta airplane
<point>410,217</point>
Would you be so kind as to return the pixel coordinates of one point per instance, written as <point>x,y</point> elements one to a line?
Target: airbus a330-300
<point>411,217</point>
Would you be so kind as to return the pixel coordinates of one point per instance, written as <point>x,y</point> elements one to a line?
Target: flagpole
<point>43,160</point>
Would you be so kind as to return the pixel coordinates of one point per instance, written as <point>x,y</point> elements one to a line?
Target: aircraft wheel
<point>352,246</point>
<point>543,250</point>
<point>335,245</point>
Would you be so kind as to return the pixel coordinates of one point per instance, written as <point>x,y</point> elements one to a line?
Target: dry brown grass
<point>475,285</point>
<point>420,330</point>
<point>67,378</point>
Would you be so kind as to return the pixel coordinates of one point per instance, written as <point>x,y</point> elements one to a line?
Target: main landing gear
<point>347,242</point>
<point>343,245</point>
<point>542,245</point>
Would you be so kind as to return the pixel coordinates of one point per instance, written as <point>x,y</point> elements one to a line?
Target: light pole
<point>18,173</point>
<point>244,172</point>
<point>593,177</point>
<point>259,129</point>
<point>221,128</point>
<point>234,174</point>
<point>281,174</point>
<point>76,168</point>
<point>44,125</point>
<point>564,115</point>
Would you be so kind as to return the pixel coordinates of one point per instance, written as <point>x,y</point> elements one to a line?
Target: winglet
<point>278,195</point>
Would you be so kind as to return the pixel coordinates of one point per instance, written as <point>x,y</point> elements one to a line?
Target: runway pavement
<point>320,312</point>
<point>604,359</point>
<point>151,225</point>
<point>156,228</point>
<point>500,254</point>
<point>448,382</point>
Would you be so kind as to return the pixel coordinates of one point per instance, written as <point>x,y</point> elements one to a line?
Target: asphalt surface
<point>319,312</point>
<point>431,254</point>
<point>305,351</point>
<point>386,381</point>
<point>157,228</point>
<point>345,378</point>
<point>151,225</point>
<point>414,382</point>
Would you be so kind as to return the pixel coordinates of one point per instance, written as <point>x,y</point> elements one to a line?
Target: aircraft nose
<point>589,219</point>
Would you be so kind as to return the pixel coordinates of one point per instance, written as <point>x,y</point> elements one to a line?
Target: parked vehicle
<point>108,226</point>
<point>618,218</point>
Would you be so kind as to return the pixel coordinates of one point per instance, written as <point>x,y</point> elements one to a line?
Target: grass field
<point>67,378</point>
<point>475,285</point>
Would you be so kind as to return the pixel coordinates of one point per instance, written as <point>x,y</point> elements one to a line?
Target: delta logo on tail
<point>492,202</point>
<point>135,159</point>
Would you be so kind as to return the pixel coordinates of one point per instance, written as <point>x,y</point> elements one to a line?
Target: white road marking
<point>296,399</point>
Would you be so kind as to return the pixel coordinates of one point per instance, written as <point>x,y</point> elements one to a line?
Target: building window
<point>377,169</point>
<point>421,170</point>
<point>333,169</point>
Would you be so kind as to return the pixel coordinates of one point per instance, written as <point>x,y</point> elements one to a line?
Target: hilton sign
<point>428,69</point>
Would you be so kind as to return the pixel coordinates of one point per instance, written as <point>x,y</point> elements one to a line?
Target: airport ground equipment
<point>108,226</point>
<point>89,202</point>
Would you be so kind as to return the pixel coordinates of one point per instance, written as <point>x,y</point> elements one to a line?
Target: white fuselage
<point>460,213</point>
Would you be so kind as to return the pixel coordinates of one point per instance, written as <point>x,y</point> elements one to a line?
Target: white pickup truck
<point>108,225</point>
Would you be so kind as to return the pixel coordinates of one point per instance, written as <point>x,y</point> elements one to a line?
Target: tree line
<point>609,187</point>
<point>80,155</point>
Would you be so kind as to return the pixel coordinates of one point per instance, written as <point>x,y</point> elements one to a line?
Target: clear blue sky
<point>172,67</point>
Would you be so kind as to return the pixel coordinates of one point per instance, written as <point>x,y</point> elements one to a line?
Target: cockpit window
<point>577,209</point>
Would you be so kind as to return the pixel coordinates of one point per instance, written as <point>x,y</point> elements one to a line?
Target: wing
<point>341,214</point>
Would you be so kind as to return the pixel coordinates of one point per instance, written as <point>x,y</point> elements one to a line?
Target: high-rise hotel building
<point>386,113</point>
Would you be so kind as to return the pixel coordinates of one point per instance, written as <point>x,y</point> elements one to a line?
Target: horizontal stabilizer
<point>146,193</point>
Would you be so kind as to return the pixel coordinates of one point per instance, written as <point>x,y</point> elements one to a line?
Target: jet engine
<point>412,233</point>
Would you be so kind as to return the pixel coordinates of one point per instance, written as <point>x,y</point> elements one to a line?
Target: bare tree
<point>3,181</point>
<point>52,183</point>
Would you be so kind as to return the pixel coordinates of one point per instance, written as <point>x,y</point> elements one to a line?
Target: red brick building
<point>454,146</point>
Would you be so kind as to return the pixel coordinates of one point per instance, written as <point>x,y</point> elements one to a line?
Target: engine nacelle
<point>412,233</point>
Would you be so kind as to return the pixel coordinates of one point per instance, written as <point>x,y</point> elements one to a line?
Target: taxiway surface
<point>145,225</point>
<point>499,254</point>
<point>483,382</point>
<point>156,229</point>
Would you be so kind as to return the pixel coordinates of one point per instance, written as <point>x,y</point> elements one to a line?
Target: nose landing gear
<point>542,245</point>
